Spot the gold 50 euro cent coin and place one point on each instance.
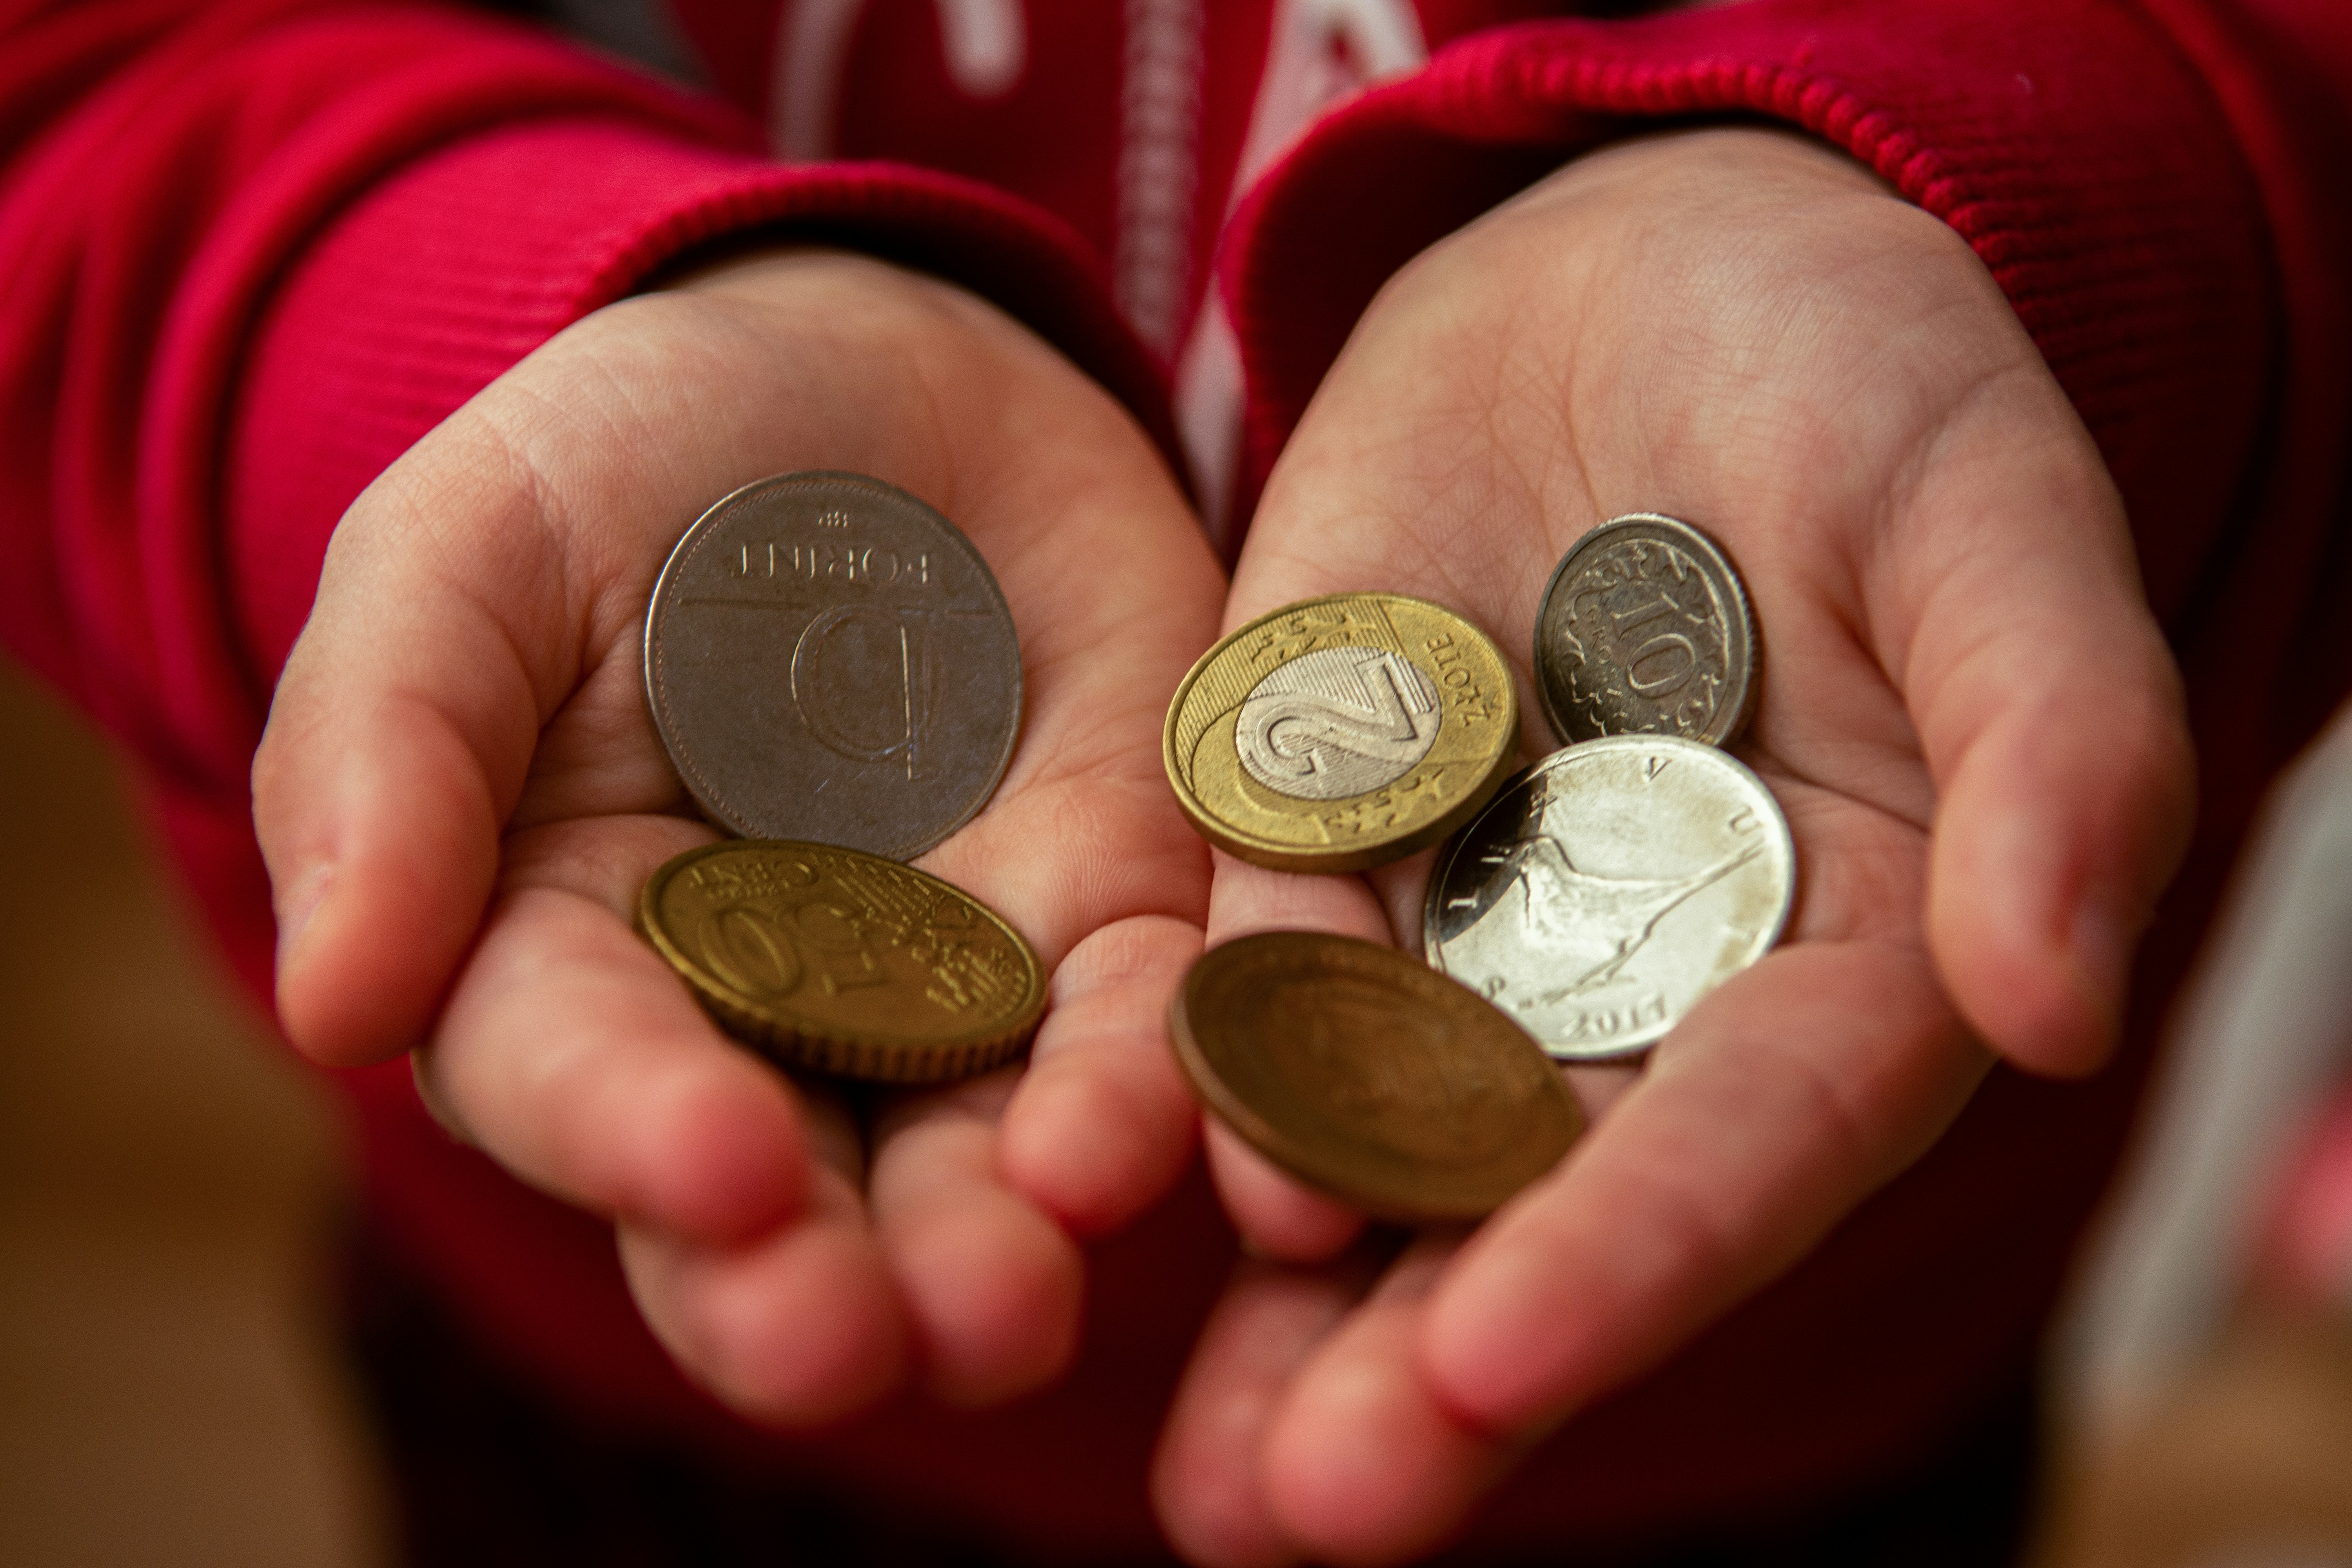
(1342, 733)
(1370, 1076)
(844, 962)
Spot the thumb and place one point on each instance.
(2053, 719)
(397, 744)
(467, 588)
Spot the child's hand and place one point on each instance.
(462, 729)
(1968, 713)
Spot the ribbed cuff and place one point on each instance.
(2069, 141)
(466, 260)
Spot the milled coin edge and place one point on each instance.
(829, 1051)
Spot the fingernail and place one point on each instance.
(2103, 940)
(298, 905)
(443, 1117)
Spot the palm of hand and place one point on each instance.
(463, 724)
(1966, 714)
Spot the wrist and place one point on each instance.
(1714, 169)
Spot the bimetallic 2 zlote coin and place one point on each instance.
(1645, 629)
(829, 658)
(1342, 733)
(1366, 1074)
(1610, 887)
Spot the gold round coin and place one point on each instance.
(1370, 1076)
(844, 962)
(1342, 733)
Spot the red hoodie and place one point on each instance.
(251, 250)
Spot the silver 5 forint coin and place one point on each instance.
(829, 659)
(1645, 629)
(1608, 887)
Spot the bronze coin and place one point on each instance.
(1369, 1075)
(844, 962)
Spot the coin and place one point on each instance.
(1609, 887)
(1341, 732)
(844, 962)
(829, 658)
(1645, 629)
(1363, 1073)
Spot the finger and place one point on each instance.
(797, 1327)
(1278, 1217)
(1243, 898)
(1782, 1101)
(1206, 1481)
(1081, 850)
(1082, 847)
(2052, 717)
(1102, 1122)
(1341, 1502)
(992, 1286)
(396, 743)
(573, 1055)
(1114, 595)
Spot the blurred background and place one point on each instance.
(172, 1390)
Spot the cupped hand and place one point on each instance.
(460, 793)
(1967, 714)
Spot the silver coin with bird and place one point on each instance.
(1608, 887)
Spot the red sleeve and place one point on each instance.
(250, 251)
